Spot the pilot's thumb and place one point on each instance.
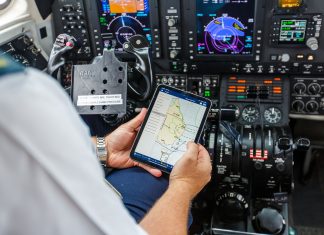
(192, 151)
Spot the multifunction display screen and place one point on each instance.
(121, 19)
(225, 27)
(293, 31)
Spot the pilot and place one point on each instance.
(52, 183)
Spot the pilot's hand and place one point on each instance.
(193, 171)
(119, 144)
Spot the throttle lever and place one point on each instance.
(285, 143)
(62, 44)
(139, 47)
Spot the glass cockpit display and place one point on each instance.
(293, 31)
(225, 27)
(122, 19)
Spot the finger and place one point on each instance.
(202, 149)
(192, 150)
(203, 154)
(137, 121)
(204, 157)
(153, 171)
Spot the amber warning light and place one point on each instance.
(126, 6)
(290, 3)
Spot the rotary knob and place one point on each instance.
(269, 221)
(312, 43)
(298, 106)
(173, 54)
(232, 206)
(312, 106)
(314, 89)
(281, 167)
(285, 57)
(172, 22)
(300, 88)
(164, 80)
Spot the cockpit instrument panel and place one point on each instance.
(120, 20)
(264, 59)
(225, 27)
(23, 50)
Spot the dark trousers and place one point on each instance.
(140, 190)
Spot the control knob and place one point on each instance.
(170, 80)
(312, 106)
(173, 54)
(232, 206)
(312, 43)
(285, 57)
(314, 89)
(298, 106)
(269, 221)
(164, 80)
(300, 88)
(172, 22)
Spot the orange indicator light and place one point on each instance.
(126, 6)
(289, 3)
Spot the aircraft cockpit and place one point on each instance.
(259, 62)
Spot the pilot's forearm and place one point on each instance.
(94, 139)
(170, 214)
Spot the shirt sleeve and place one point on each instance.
(55, 181)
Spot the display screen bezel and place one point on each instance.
(147, 159)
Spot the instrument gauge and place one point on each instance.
(21, 59)
(272, 115)
(250, 114)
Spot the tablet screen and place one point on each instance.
(175, 118)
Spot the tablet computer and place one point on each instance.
(174, 118)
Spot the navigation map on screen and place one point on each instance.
(225, 27)
(174, 120)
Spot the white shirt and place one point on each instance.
(50, 179)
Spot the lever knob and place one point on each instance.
(303, 144)
(284, 143)
(269, 221)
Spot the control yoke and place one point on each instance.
(139, 47)
(62, 44)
